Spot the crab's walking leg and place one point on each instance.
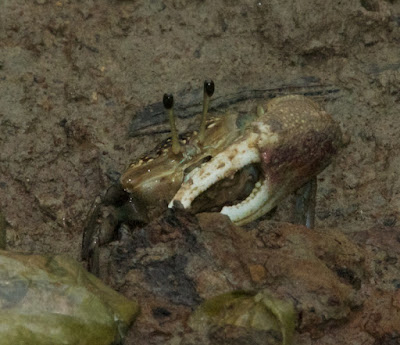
(305, 204)
(90, 242)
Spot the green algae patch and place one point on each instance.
(53, 300)
(254, 312)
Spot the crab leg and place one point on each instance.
(222, 165)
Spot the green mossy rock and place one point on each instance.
(53, 300)
(261, 312)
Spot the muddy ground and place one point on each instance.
(76, 75)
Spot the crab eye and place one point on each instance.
(209, 87)
(168, 101)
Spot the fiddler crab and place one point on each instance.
(241, 166)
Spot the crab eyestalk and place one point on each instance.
(208, 91)
(168, 101)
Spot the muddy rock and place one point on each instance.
(179, 262)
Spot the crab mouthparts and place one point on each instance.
(223, 165)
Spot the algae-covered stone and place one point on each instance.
(260, 316)
(53, 300)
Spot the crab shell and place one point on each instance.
(291, 141)
(154, 179)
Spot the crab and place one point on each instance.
(241, 166)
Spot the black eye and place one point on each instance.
(209, 87)
(168, 101)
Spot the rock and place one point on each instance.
(181, 262)
(53, 300)
(260, 317)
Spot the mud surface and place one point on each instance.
(81, 81)
(75, 77)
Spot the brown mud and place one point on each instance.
(78, 80)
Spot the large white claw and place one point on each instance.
(248, 208)
(224, 164)
(261, 200)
